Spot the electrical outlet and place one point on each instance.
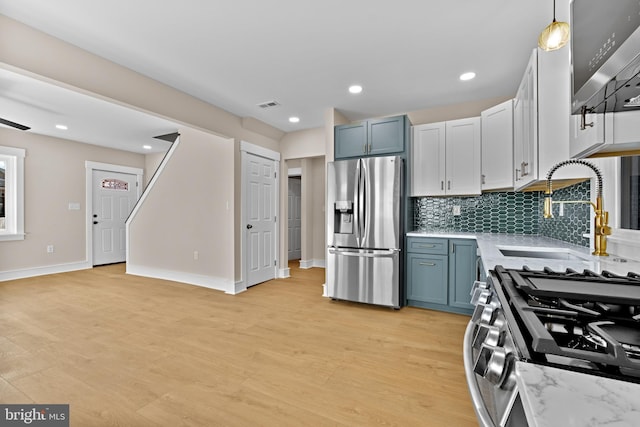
(456, 210)
(49, 249)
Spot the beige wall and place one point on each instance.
(151, 163)
(190, 207)
(304, 143)
(55, 175)
(319, 242)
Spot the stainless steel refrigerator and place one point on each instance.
(364, 230)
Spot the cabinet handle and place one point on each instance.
(364, 148)
(483, 179)
(516, 178)
(426, 246)
(583, 117)
(442, 185)
(428, 264)
(369, 149)
(448, 185)
(453, 248)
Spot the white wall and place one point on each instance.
(188, 208)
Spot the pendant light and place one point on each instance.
(555, 35)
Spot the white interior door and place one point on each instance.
(114, 195)
(261, 219)
(295, 218)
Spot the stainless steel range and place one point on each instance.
(579, 321)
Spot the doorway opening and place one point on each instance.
(295, 218)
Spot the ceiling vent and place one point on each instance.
(268, 104)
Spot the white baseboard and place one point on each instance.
(310, 263)
(210, 282)
(284, 273)
(41, 271)
(239, 286)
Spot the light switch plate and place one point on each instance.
(74, 206)
(456, 210)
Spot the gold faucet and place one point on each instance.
(601, 228)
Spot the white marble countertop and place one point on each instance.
(556, 397)
(489, 249)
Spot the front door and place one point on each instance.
(295, 218)
(114, 196)
(261, 219)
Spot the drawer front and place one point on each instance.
(428, 245)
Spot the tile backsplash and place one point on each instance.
(576, 219)
(507, 212)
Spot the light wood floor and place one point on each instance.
(130, 351)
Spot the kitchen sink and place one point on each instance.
(543, 253)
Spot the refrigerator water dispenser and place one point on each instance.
(343, 217)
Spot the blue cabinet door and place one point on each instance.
(386, 136)
(350, 140)
(427, 278)
(462, 272)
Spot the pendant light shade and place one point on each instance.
(555, 35)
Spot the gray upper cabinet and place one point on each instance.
(351, 140)
(373, 137)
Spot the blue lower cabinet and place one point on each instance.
(427, 279)
(441, 278)
(462, 272)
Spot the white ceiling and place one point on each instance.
(407, 54)
(41, 106)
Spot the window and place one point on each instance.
(11, 193)
(630, 192)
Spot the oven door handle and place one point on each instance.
(476, 398)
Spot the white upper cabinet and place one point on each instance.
(446, 158)
(613, 133)
(428, 151)
(525, 122)
(497, 146)
(541, 114)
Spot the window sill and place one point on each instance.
(10, 237)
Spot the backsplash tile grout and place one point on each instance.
(507, 212)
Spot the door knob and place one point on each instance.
(249, 226)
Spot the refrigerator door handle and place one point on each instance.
(357, 205)
(365, 193)
(365, 253)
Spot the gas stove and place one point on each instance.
(582, 321)
(579, 321)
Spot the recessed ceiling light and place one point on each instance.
(355, 89)
(147, 147)
(294, 119)
(61, 127)
(467, 76)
